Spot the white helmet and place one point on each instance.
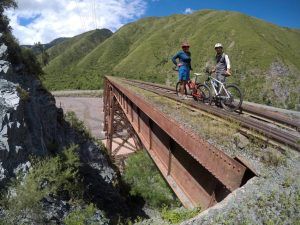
(218, 45)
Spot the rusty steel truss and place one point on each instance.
(199, 173)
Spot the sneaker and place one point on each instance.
(184, 97)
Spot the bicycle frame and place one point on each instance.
(192, 86)
(188, 84)
(214, 81)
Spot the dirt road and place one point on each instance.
(87, 109)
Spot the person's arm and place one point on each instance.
(174, 58)
(228, 65)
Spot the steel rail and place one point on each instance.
(270, 132)
(264, 113)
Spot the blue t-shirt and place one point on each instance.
(184, 59)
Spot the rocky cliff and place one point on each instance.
(32, 127)
(30, 123)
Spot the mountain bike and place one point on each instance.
(229, 95)
(199, 92)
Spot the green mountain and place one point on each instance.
(265, 58)
(65, 56)
(46, 46)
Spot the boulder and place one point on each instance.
(240, 140)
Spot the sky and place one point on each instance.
(45, 20)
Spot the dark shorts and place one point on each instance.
(221, 77)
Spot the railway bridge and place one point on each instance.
(199, 173)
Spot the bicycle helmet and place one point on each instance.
(218, 45)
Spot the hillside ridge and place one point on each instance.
(264, 56)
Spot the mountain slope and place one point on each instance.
(46, 46)
(65, 55)
(264, 56)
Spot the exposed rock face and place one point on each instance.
(27, 126)
(4, 65)
(30, 124)
(283, 82)
(278, 69)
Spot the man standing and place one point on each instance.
(222, 68)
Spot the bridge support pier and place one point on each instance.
(121, 138)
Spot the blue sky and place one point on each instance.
(281, 12)
(45, 20)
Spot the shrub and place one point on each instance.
(15, 54)
(23, 94)
(77, 124)
(273, 157)
(50, 175)
(84, 216)
(31, 64)
(142, 175)
(175, 216)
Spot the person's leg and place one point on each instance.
(220, 78)
(182, 78)
(182, 88)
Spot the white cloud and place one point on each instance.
(189, 11)
(65, 18)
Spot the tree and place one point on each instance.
(24, 60)
(5, 4)
(44, 56)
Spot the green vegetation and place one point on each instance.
(289, 204)
(77, 124)
(83, 216)
(273, 157)
(264, 56)
(43, 55)
(175, 216)
(50, 175)
(36, 48)
(144, 179)
(16, 55)
(66, 55)
(23, 94)
(79, 217)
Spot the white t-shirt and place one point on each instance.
(227, 61)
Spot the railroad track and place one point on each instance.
(271, 125)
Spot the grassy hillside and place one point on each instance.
(46, 46)
(65, 56)
(264, 56)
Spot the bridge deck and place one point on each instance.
(198, 172)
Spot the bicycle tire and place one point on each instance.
(236, 99)
(205, 93)
(178, 88)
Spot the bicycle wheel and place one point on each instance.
(235, 99)
(203, 94)
(178, 88)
